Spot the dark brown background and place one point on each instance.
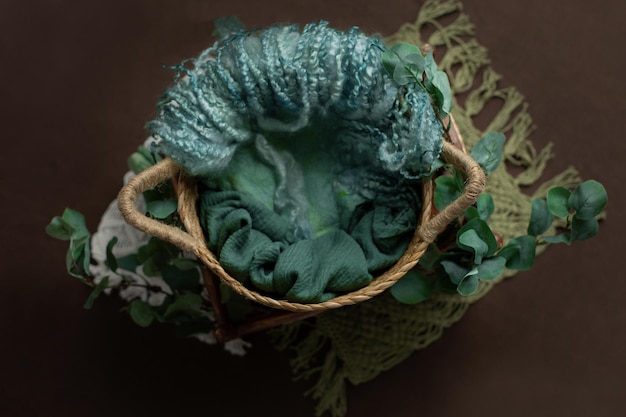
(78, 80)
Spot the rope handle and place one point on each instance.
(474, 186)
(147, 180)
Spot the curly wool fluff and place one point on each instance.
(278, 81)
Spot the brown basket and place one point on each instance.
(192, 240)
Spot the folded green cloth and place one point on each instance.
(258, 246)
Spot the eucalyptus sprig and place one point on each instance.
(475, 252)
(406, 64)
(180, 300)
(71, 226)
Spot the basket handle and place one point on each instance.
(147, 180)
(474, 186)
(167, 169)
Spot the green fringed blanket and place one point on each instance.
(354, 344)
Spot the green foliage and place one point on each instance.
(491, 268)
(476, 236)
(181, 279)
(141, 313)
(430, 257)
(488, 151)
(142, 160)
(157, 258)
(519, 253)
(470, 241)
(469, 283)
(161, 209)
(557, 198)
(580, 208)
(455, 271)
(406, 64)
(111, 261)
(185, 306)
(71, 226)
(474, 255)
(102, 285)
(583, 229)
(588, 200)
(540, 218)
(413, 288)
(447, 190)
(485, 206)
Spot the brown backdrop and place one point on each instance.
(80, 78)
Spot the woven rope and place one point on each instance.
(431, 224)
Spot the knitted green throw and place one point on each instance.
(354, 344)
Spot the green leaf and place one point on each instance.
(60, 229)
(446, 191)
(111, 261)
(160, 209)
(143, 253)
(147, 154)
(70, 265)
(557, 201)
(583, 229)
(102, 285)
(137, 163)
(412, 288)
(442, 93)
(403, 75)
(471, 213)
(181, 280)
(400, 55)
(483, 231)
(128, 262)
(519, 253)
(491, 268)
(469, 240)
(469, 283)
(185, 306)
(185, 264)
(588, 199)
(141, 313)
(430, 66)
(77, 221)
(455, 271)
(540, 217)
(430, 257)
(485, 206)
(488, 151)
(156, 255)
(78, 257)
(438, 164)
(152, 266)
(560, 238)
(444, 284)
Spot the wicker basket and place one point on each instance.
(192, 239)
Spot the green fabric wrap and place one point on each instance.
(258, 246)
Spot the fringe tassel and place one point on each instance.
(330, 389)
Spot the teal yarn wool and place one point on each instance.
(278, 81)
